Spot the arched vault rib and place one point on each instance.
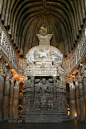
(23, 35)
(21, 31)
(27, 25)
(21, 9)
(66, 36)
(34, 21)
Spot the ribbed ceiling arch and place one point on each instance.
(63, 18)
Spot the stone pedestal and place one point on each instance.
(46, 117)
(44, 94)
(43, 107)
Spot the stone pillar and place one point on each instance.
(72, 101)
(65, 101)
(24, 98)
(84, 84)
(77, 99)
(32, 84)
(11, 100)
(82, 109)
(6, 97)
(16, 100)
(54, 83)
(65, 96)
(54, 94)
(1, 91)
(32, 94)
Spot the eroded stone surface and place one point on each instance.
(44, 91)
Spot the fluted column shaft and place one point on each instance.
(16, 100)
(11, 100)
(54, 94)
(77, 99)
(32, 94)
(1, 94)
(6, 97)
(84, 84)
(72, 101)
(82, 109)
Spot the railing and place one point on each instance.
(71, 62)
(10, 54)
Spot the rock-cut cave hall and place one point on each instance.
(42, 61)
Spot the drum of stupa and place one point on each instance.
(44, 59)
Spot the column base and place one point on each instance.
(77, 118)
(14, 121)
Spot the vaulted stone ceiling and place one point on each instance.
(23, 18)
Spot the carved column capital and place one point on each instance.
(73, 77)
(83, 70)
(8, 74)
(69, 80)
(20, 80)
(77, 70)
(54, 79)
(25, 78)
(6, 64)
(72, 86)
(80, 78)
(85, 73)
(0, 56)
(7, 77)
(1, 72)
(32, 78)
(11, 80)
(76, 82)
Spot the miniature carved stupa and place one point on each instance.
(44, 84)
(43, 59)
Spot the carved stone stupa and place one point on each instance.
(44, 84)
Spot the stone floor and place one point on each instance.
(65, 125)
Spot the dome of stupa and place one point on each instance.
(44, 52)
